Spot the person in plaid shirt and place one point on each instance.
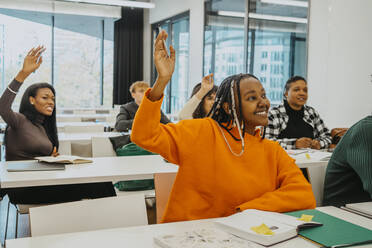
(294, 124)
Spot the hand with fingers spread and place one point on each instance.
(164, 64)
(303, 143)
(31, 63)
(206, 85)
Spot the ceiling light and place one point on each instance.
(231, 13)
(277, 18)
(123, 3)
(287, 2)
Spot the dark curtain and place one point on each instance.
(128, 53)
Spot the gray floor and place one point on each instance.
(23, 222)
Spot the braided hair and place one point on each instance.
(225, 95)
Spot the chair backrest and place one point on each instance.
(102, 147)
(84, 129)
(68, 119)
(103, 213)
(163, 187)
(84, 111)
(316, 178)
(64, 147)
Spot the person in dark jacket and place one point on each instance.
(349, 172)
(32, 132)
(124, 119)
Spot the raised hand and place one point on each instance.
(206, 85)
(164, 65)
(31, 63)
(163, 62)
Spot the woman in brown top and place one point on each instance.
(33, 132)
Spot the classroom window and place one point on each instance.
(176, 93)
(78, 60)
(273, 38)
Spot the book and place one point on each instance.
(64, 159)
(334, 230)
(262, 227)
(203, 238)
(362, 208)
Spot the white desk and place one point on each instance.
(82, 117)
(142, 236)
(61, 125)
(85, 137)
(313, 158)
(106, 169)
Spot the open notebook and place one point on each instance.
(64, 159)
(252, 226)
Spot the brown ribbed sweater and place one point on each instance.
(25, 140)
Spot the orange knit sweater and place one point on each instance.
(211, 181)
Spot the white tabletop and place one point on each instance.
(84, 115)
(142, 236)
(104, 169)
(85, 123)
(85, 136)
(308, 158)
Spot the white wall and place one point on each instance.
(340, 60)
(168, 8)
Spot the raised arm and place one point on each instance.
(293, 191)
(189, 108)
(147, 131)
(31, 63)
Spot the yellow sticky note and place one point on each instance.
(306, 218)
(262, 229)
(307, 155)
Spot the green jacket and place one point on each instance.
(349, 172)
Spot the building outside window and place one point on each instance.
(176, 93)
(78, 59)
(270, 37)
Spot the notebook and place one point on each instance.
(334, 230)
(203, 238)
(33, 166)
(64, 159)
(262, 227)
(363, 208)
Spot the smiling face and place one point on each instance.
(43, 101)
(255, 105)
(297, 94)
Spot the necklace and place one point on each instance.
(228, 145)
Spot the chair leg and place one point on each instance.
(6, 223)
(16, 230)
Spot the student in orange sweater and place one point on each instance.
(224, 164)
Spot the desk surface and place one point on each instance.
(104, 169)
(142, 236)
(85, 136)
